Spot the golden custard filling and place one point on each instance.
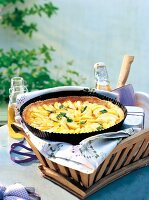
(72, 114)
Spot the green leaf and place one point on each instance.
(61, 106)
(60, 115)
(17, 18)
(73, 72)
(83, 122)
(69, 120)
(83, 109)
(100, 127)
(50, 111)
(103, 111)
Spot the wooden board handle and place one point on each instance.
(125, 69)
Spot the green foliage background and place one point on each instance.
(34, 65)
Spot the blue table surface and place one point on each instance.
(134, 186)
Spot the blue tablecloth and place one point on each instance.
(134, 186)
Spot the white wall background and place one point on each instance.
(88, 31)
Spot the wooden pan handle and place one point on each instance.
(125, 69)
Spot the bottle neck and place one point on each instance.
(13, 97)
(15, 91)
(101, 74)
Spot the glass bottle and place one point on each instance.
(101, 77)
(17, 87)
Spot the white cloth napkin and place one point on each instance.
(86, 156)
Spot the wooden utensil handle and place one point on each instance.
(125, 69)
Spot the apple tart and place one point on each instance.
(72, 114)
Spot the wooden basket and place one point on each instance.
(130, 154)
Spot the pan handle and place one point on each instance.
(125, 69)
(18, 128)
